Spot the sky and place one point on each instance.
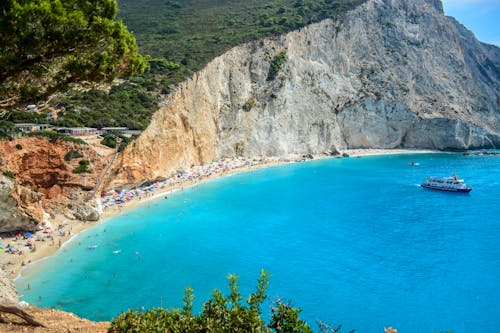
(482, 17)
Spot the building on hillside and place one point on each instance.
(122, 130)
(131, 132)
(29, 127)
(78, 131)
(109, 130)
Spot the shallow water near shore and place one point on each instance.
(350, 241)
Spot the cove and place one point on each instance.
(352, 241)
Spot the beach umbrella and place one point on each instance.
(1, 244)
(47, 229)
(10, 247)
(28, 235)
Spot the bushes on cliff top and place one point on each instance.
(53, 136)
(127, 105)
(221, 313)
(109, 140)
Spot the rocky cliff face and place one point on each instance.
(390, 73)
(20, 208)
(8, 294)
(44, 177)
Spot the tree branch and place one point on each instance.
(16, 310)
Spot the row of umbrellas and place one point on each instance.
(29, 237)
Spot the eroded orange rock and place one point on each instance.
(40, 166)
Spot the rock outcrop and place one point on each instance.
(20, 208)
(8, 293)
(45, 171)
(47, 166)
(389, 74)
(85, 211)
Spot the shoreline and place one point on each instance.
(13, 264)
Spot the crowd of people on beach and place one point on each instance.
(19, 243)
(117, 197)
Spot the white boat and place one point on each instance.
(450, 184)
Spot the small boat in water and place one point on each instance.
(450, 184)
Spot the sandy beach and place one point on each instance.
(63, 229)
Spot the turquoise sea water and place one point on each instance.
(351, 241)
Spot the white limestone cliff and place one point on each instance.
(389, 74)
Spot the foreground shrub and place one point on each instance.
(220, 313)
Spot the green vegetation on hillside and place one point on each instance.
(276, 64)
(126, 105)
(47, 44)
(179, 37)
(219, 314)
(71, 155)
(8, 174)
(184, 35)
(53, 136)
(192, 32)
(6, 129)
(82, 167)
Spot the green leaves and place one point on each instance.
(82, 167)
(275, 66)
(47, 44)
(53, 136)
(220, 314)
(126, 105)
(285, 319)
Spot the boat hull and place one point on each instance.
(458, 190)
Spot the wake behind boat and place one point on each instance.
(449, 184)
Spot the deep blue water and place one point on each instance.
(354, 241)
